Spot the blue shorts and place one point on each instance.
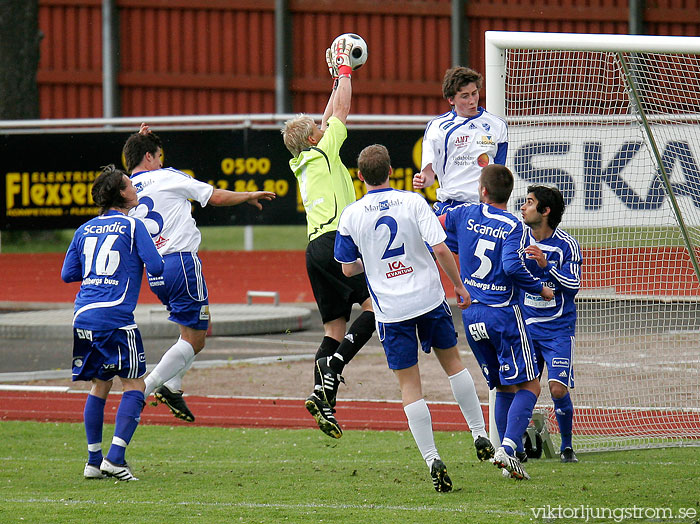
(106, 354)
(558, 354)
(183, 290)
(501, 344)
(400, 339)
(440, 208)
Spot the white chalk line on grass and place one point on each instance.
(254, 505)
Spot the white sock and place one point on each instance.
(421, 425)
(175, 383)
(465, 394)
(174, 360)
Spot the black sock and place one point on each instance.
(326, 349)
(359, 333)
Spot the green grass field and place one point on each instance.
(216, 475)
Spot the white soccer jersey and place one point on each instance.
(165, 208)
(388, 229)
(459, 147)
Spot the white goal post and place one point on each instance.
(614, 122)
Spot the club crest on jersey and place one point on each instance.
(462, 141)
(397, 268)
(486, 126)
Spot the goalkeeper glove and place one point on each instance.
(332, 68)
(341, 53)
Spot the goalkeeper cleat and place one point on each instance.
(175, 402)
(119, 471)
(441, 481)
(323, 414)
(93, 472)
(484, 448)
(330, 380)
(568, 455)
(504, 461)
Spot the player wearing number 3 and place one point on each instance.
(108, 254)
(490, 243)
(385, 234)
(164, 205)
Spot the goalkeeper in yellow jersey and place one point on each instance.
(326, 188)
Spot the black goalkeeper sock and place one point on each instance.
(326, 349)
(357, 336)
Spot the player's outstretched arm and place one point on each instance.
(223, 197)
(343, 93)
(449, 266)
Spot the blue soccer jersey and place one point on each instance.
(557, 317)
(107, 254)
(490, 242)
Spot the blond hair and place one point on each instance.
(296, 133)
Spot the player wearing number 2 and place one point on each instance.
(385, 234)
(490, 239)
(326, 188)
(164, 205)
(457, 144)
(554, 256)
(108, 254)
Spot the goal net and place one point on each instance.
(614, 122)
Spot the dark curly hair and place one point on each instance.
(107, 188)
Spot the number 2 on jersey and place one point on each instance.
(390, 222)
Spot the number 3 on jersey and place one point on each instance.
(152, 219)
(485, 264)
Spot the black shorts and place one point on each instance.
(334, 292)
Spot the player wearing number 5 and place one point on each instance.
(554, 256)
(385, 234)
(490, 239)
(164, 205)
(108, 254)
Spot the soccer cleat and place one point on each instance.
(484, 448)
(330, 380)
(568, 455)
(522, 456)
(502, 460)
(118, 471)
(323, 413)
(93, 472)
(441, 481)
(175, 402)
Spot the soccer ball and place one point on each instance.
(358, 55)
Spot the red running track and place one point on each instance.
(227, 412)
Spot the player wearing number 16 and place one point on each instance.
(108, 254)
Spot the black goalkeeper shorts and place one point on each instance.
(334, 292)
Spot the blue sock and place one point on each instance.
(519, 416)
(564, 411)
(93, 418)
(128, 417)
(501, 407)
